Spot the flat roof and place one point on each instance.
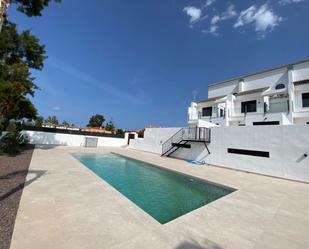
(260, 72)
(252, 91)
(301, 82)
(212, 99)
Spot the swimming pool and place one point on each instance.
(163, 194)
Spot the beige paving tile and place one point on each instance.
(69, 207)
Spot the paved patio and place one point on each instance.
(66, 206)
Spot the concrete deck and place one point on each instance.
(66, 206)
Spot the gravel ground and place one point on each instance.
(13, 172)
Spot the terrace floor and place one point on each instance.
(66, 206)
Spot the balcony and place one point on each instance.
(240, 113)
(213, 112)
(266, 108)
(276, 107)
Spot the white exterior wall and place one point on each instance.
(259, 103)
(281, 117)
(300, 113)
(286, 75)
(301, 72)
(192, 111)
(258, 116)
(301, 121)
(268, 79)
(286, 144)
(222, 89)
(298, 103)
(214, 121)
(48, 138)
(153, 139)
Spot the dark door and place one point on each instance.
(131, 136)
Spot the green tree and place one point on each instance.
(28, 7)
(141, 133)
(96, 121)
(120, 132)
(39, 121)
(65, 123)
(32, 7)
(19, 53)
(52, 120)
(110, 126)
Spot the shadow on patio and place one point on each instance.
(20, 186)
(195, 245)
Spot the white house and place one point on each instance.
(277, 96)
(274, 96)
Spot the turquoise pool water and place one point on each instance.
(163, 194)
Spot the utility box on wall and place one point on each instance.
(91, 142)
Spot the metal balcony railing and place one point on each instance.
(276, 107)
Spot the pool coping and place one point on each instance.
(101, 179)
(163, 168)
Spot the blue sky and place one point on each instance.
(139, 62)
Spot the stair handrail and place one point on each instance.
(195, 133)
(170, 140)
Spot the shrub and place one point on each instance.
(12, 141)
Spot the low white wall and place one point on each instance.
(153, 139)
(286, 145)
(48, 138)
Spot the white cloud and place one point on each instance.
(263, 18)
(228, 14)
(215, 19)
(285, 2)
(56, 108)
(213, 30)
(213, 26)
(194, 13)
(246, 16)
(209, 2)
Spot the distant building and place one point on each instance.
(152, 126)
(97, 130)
(48, 125)
(61, 127)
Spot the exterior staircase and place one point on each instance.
(183, 137)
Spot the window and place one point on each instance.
(248, 152)
(305, 98)
(267, 123)
(221, 113)
(207, 112)
(248, 106)
(280, 86)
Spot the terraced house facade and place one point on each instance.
(276, 96)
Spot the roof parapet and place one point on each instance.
(288, 66)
